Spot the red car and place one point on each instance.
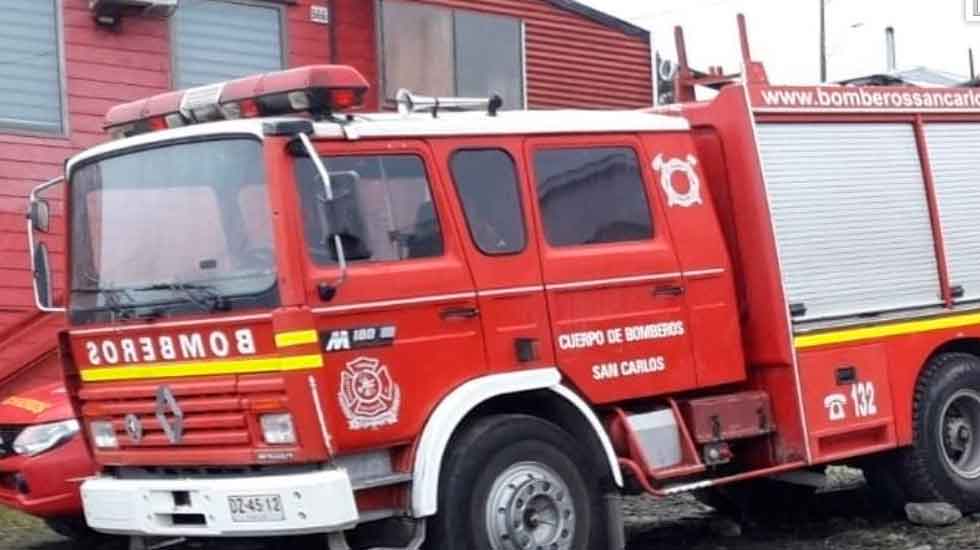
(42, 457)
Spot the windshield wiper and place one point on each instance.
(113, 302)
(212, 300)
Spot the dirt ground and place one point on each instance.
(661, 524)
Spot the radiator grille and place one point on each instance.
(216, 411)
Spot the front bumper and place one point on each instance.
(313, 502)
(46, 485)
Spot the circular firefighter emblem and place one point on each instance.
(368, 396)
(679, 194)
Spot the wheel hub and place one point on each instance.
(530, 508)
(959, 423)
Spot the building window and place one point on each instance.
(215, 40)
(590, 196)
(382, 211)
(30, 67)
(487, 184)
(447, 52)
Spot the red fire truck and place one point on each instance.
(477, 329)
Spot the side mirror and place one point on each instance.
(39, 220)
(40, 215)
(43, 294)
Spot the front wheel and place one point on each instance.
(515, 482)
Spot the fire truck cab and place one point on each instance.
(490, 324)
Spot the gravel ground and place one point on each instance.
(666, 524)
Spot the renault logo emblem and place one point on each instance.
(134, 428)
(169, 415)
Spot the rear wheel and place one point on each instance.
(943, 463)
(515, 482)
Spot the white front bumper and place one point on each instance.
(314, 502)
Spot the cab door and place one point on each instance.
(493, 209)
(402, 327)
(614, 287)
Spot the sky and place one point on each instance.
(784, 34)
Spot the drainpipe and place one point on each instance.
(890, 64)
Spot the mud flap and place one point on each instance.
(615, 528)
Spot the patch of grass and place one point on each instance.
(12, 519)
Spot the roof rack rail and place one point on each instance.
(409, 103)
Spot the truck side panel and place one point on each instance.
(703, 258)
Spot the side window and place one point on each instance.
(382, 209)
(454, 44)
(591, 195)
(220, 40)
(488, 188)
(31, 94)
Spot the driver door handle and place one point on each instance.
(669, 290)
(459, 313)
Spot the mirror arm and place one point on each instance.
(33, 197)
(328, 189)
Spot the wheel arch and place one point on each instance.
(537, 392)
(959, 345)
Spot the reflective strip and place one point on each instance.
(884, 331)
(171, 324)
(510, 291)
(296, 338)
(704, 272)
(392, 303)
(613, 281)
(174, 370)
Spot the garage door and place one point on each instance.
(851, 218)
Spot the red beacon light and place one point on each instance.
(319, 91)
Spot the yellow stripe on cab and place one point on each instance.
(296, 338)
(205, 368)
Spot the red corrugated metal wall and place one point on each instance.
(572, 61)
(355, 40)
(103, 68)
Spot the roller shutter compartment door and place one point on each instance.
(956, 174)
(851, 219)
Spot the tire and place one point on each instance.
(516, 482)
(943, 463)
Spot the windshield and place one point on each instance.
(175, 229)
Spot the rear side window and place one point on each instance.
(382, 209)
(591, 195)
(487, 184)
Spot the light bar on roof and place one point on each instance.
(316, 90)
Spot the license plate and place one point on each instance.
(253, 508)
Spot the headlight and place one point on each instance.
(277, 429)
(44, 437)
(103, 435)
